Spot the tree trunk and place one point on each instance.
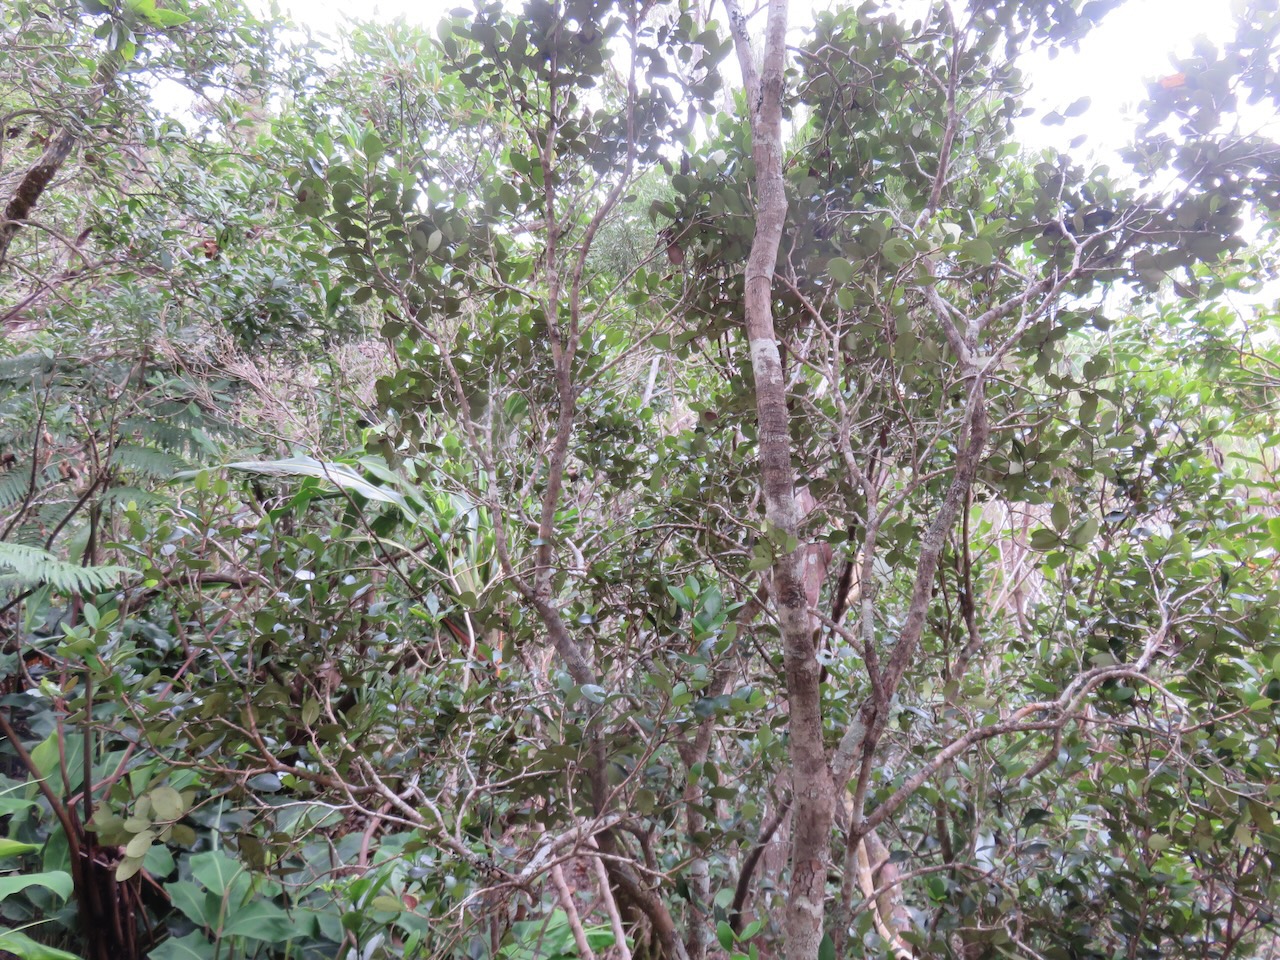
(813, 789)
(41, 173)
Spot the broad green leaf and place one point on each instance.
(259, 920)
(140, 844)
(1083, 535)
(12, 805)
(1061, 516)
(897, 251)
(386, 903)
(167, 803)
(15, 848)
(167, 18)
(979, 251)
(339, 474)
(724, 934)
(193, 946)
(24, 948)
(216, 871)
(195, 903)
(128, 867)
(58, 881)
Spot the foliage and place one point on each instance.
(524, 631)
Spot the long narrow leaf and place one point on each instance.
(339, 474)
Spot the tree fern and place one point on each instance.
(147, 461)
(14, 486)
(15, 483)
(25, 566)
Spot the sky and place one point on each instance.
(1115, 61)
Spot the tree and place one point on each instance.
(124, 273)
(881, 505)
(954, 72)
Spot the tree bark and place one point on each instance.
(41, 173)
(813, 789)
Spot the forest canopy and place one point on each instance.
(633, 479)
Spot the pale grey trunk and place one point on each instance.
(813, 790)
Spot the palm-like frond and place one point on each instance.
(27, 566)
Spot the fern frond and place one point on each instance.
(29, 533)
(174, 429)
(16, 482)
(25, 566)
(14, 485)
(161, 433)
(24, 366)
(149, 462)
(120, 497)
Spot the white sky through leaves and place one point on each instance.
(1112, 66)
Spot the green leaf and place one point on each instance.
(827, 948)
(12, 805)
(259, 920)
(215, 870)
(127, 867)
(1061, 516)
(56, 880)
(1083, 535)
(898, 251)
(339, 474)
(724, 934)
(23, 947)
(159, 861)
(841, 270)
(266, 782)
(167, 803)
(139, 845)
(197, 905)
(191, 947)
(14, 848)
(167, 18)
(1044, 539)
(979, 251)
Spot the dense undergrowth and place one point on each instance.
(384, 569)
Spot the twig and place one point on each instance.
(610, 904)
(571, 911)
